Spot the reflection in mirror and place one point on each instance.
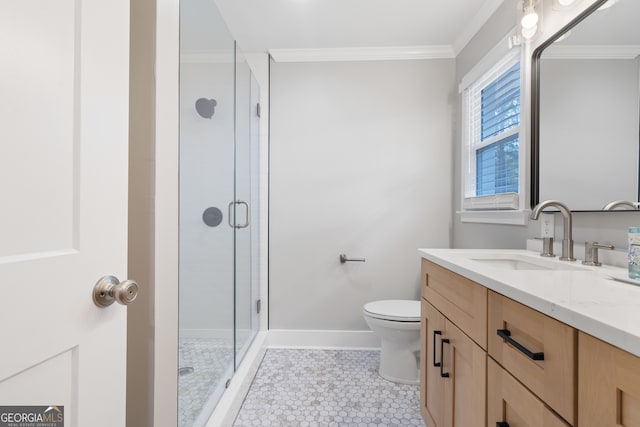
(585, 139)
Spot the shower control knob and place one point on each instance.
(109, 289)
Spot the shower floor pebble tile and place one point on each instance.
(305, 388)
(211, 360)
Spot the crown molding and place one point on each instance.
(591, 52)
(362, 54)
(481, 18)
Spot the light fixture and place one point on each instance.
(529, 19)
(528, 33)
(564, 4)
(529, 15)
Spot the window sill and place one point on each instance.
(516, 217)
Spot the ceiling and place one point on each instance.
(260, 25)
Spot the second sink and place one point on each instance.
(515, 262)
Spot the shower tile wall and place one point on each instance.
(206, 180)
(299, 388)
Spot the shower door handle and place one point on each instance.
(246, 223)
(246, 207)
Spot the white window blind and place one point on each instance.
(492, 127)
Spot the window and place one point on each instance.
(491, 124)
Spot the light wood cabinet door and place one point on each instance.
(527, 334)
(510, 403)
(465, 363)
(609, 385)
(431, 384)
(454, 371)
(463, 301)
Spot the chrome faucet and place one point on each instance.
(591, 252)
(567, 240)
(612, 205)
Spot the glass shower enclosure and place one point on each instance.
(218, 210)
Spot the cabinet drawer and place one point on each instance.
(553, 379)
(510, 402)
(461, 300)
(609, 385)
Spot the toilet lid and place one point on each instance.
(398, 310)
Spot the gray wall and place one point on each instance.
(604, 227)
(365, 160)
(360, 164)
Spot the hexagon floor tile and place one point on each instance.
(305, 388)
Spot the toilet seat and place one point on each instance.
(394, 310)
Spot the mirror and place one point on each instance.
(585, 111)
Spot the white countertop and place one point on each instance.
(585, 298)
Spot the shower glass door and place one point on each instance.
(246, 183)
(218, 211)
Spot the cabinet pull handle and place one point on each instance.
(436, 364)
(505, 334)
(502, 424)
(443, 341)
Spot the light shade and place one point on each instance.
(528, 33)
(565, 2)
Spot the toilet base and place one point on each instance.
(399, 364)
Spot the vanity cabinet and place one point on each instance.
(461, 300)
(528, 380)
(508, 401)
(453, 371)
(609, 385)
(511, 365)
(539, 351)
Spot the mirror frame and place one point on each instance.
(535, 103)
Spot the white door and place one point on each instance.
(63, 206)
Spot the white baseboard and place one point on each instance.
(322, 339)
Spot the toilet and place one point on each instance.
(397, 323)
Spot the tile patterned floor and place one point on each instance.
(305, 388)
(212, 361)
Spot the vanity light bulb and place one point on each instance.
(528, 33)
(530, 18)
(566, 2)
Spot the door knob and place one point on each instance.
(109, 289)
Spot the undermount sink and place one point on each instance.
(511, 264)
(515, 262)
